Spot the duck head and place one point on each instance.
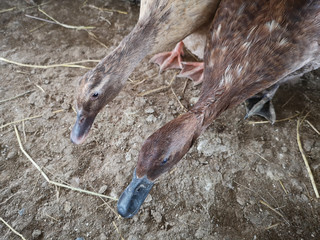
(160, 152)
(96, 89)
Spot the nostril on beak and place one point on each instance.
(81, 120)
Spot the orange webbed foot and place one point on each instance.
(193, 71)
(169, 60)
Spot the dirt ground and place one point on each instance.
(239, 181)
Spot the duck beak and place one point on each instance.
(81, 128)
(132, 198)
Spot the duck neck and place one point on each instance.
(120, 63)
(210, 106)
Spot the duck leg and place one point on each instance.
(169, 60)
(261, 104)
(193, 71)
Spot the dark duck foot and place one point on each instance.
(261, 105)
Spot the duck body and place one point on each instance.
(251, 46)
(161, 24)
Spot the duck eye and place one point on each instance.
(95, 95)
(164, 161)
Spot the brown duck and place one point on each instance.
(252, 46)
(161, 24)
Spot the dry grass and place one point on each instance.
(280, 120)
(66, 25)
(176, 97)
(159, 88)
(117, 229)
(284, 189)
(105, 9)
(274, 210)
(53, 182)
(17, 96)
(11, 228)
(299, 123)
(313, 127)
(28, 118)
(70, 64)
(7, 10)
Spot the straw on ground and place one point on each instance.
(70, 64)
(28, 118)
(11, 228)
(15, 97)
(158, 89)
(280, 120)
(53, 182)
(66, 25)
(274, 210)
(305, 159)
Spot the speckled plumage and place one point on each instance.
(251, 46)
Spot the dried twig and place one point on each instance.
(263, 158)
(20, 95)
(143, 80)
(38, 86)
(106, 9)
(159, 88)
(53, 182)
(66, 25)
(181, 105)
(288, 101)
(105, 203)
(7, 10)
(274, 210)
(272, 226)
(71, 65)
(37, 27)
(313, 127)
(184, 87)
(280, 120)
(114, 224)
(284, 189)
(11, 228)
(95, 38)
(41, 19)
(305, 159)
(28, 118)
(106, 20)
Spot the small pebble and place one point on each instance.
(157, 216)
(128, 157)
(11, 155)
(103, 236)
(149, 110)
(67, 207)
(103, 189)
(151, 118)
(36, 234)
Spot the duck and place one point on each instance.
(252, 47)
(161, 24)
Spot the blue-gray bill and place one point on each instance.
(133, 196)
(81, 128)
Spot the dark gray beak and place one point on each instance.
(132, 198)
(81, 128)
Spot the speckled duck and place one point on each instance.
(252, 46)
